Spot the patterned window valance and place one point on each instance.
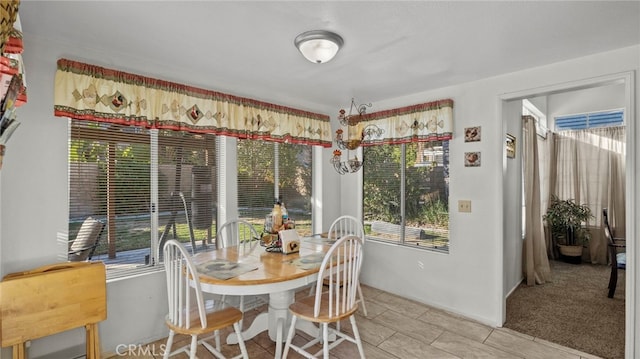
(431, 121)
(88, 92)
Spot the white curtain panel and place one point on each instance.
(589, 168)
(535, 260)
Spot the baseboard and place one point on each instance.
(515, 287)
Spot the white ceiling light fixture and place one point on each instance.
(318, 46)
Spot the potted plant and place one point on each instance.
(566, 220)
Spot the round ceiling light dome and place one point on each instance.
(318, 46)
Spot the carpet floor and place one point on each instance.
(572, 309)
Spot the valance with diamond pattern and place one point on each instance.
(94, 93)
(431, 121)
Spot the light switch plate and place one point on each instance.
(464, 205)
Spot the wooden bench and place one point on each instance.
(53, 299)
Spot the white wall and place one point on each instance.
(512, 200)
(468, 280)
(34, 203)
(602, 98)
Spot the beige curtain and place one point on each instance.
(588, 166)
(535, 261)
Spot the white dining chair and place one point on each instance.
(189, 313)
(237, 232)
(333, 301)
(342, 226)
(240, 233)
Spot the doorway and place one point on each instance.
(512, 182)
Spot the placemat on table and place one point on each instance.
(309, 261)
(223, 269)
(319, 240)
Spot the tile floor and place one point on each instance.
(397, 328)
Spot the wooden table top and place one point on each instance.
(270, 267)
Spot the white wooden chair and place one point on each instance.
(333, 301)
(238, 232)
(347, 225)
(188, 312)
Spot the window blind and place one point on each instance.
(590, 120)
(268, 171)
(187, 187)
(110, 177)
(406, 193)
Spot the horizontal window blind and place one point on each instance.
(109, 178)
(294, 175)
(256, 175)
(406, 194)
(268, 171)
(186, 187)
(590, 120)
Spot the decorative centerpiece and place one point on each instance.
(274, 222)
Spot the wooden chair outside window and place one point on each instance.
(86, 241)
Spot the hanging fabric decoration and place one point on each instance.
(94, 93)
(431, 121)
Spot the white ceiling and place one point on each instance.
(392, 48)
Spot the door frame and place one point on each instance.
(628, 79)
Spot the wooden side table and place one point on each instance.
(52, 299)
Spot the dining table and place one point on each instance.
(256, 270)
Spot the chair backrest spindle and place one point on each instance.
(346, 225)
(237, 232)
(341, 268)
(183, 286)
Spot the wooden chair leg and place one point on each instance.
(19, 351)
(613, 281)
(93, 341)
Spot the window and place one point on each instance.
(406, 194)
(187, 165)
(117, 173)
(529, 109)
(269, 170)
(590, 120)
(112, 176)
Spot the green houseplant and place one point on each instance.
(566, 220)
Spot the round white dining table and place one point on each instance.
(255, 271)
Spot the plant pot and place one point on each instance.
(571, 254)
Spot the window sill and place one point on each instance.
(118, 274)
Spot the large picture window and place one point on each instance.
(406, 194)
(112, 177)
(268, 171)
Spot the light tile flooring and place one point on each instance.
(397, 328)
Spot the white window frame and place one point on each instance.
(402, 231)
